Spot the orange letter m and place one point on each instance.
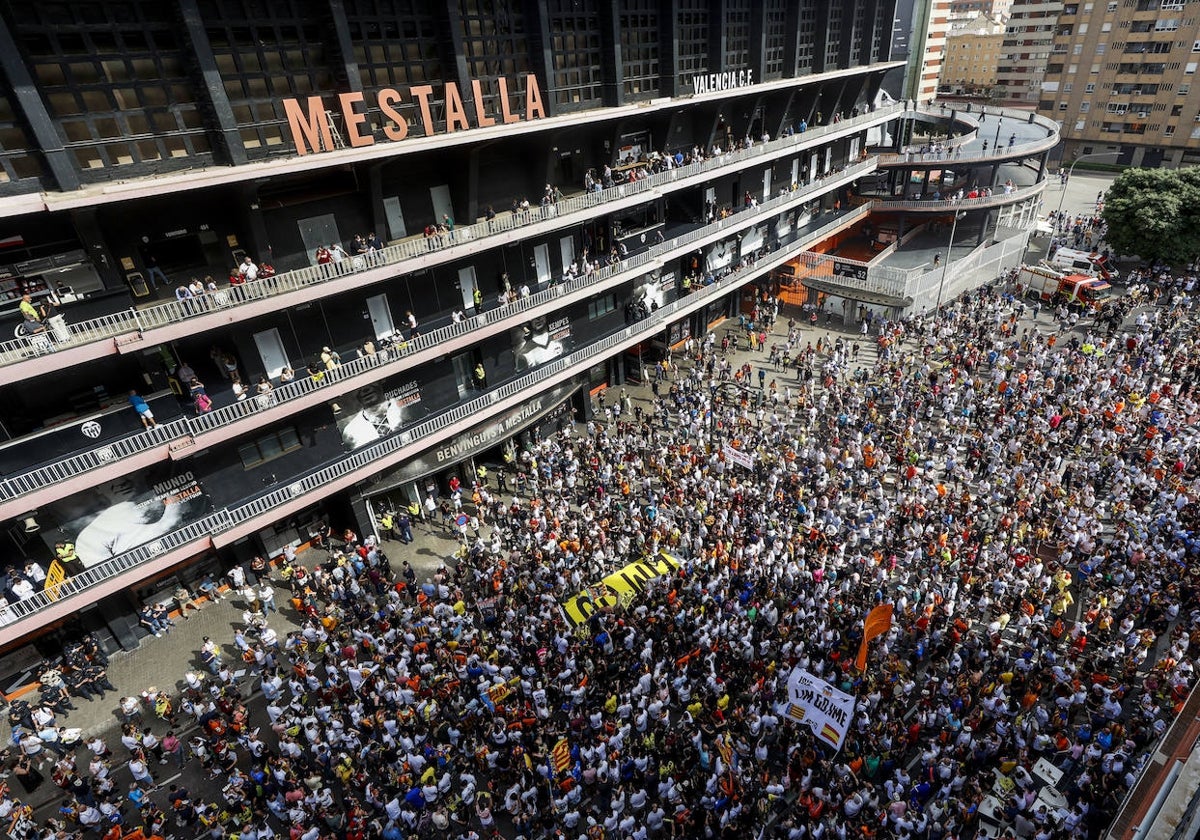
(309, 132)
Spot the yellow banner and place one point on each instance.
(55, 575)
(619, 588)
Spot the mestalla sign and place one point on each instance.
(312, 131)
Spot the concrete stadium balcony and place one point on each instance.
(227, 525)
(134, 330)
(179, 438)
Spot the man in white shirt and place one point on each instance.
(248, 270)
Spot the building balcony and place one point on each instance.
(944, 205)
(227, 525)
(137, 329)
(185, 435)
(1034, 136)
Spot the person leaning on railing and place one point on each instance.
(32, 323)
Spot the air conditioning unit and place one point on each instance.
(1143, 114)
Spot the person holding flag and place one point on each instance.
(878, 622)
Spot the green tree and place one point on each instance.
(1155, 214)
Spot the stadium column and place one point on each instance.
(785, 115)
(378, 209)
(345, 68)
(87, 228)
(611, 72)
(820, 47)
(255, 240)
(222, 124)
(540, 49)
(718, 31)
(29, 100)
(791, 42)
(758, 43)
(452, 50)
(846, 35)
(668, 49)
(868, 34)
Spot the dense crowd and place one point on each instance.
(1024, 498)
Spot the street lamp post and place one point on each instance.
(946, 265)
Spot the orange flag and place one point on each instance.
(878, 622)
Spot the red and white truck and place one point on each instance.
(1054, 286)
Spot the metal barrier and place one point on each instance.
(996, 153)
(227, 518)
(172, 312)
(950, 204)
(109, 453)
(433, 340)
(879, 280)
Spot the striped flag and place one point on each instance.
(560, 756)
(725, 748)
(828, 733)
(797, 713)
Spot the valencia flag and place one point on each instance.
(878, 622)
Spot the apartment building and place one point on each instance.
(1121, 79)
(482, 149)
(930, 25)
(1028, 42)
(966, 9)
(973, 49)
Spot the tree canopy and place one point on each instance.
(1155, 214)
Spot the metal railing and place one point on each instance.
(226, 518)
(954, 151)
(106, 570)
(109, 453)
(944, 204)
(136, 321)
(431, 342)
(879, 280)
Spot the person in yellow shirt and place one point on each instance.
(1062, 603)
(64, 552)
(32, 319)
(28, 309)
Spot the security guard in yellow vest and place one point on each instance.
(65, 553)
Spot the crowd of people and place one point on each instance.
(1028, 508)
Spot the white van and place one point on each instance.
(1071, 260)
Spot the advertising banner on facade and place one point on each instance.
(375, 411)
(620, 588)
(552, 403)
(541, 340)
(827, 711)
(752, 240)
(121, 515)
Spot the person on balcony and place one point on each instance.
(143, 410)
(248, 270)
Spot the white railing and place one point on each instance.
(108, 569)
(954, 152)
(879, 280)
(430, 341)
(109, 453)
(136, 321)
(942, 205)
(227, 518)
